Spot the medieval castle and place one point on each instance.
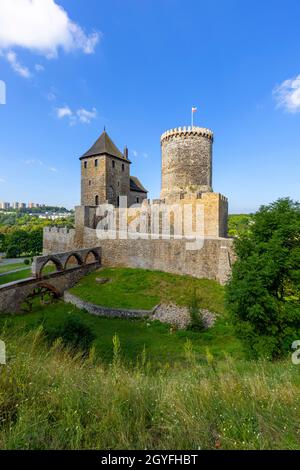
(186, 179)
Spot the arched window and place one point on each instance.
(97, 200)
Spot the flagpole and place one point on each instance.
(192, 118)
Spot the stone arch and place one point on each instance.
(73, 255)
(43, 291)
(55, 261)
(95, 254)
(50, 287)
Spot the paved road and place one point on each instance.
(5, 261)
(14, 271)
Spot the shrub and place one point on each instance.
(263, 293)
(74, 333)
(12, 252)
(26, 261)
(196, 317)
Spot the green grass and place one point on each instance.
(161, 343)
(4, 268)
(143, 289)
(10, 277)
(164, 389)
(51, 399)
(15, 276)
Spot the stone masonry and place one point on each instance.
(186, 162)
(13, 294)
(186, 180)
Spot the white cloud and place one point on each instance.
(287, 95)
(86, 116)
(39, 68)
(81, 115)
(64, 111)
(33, 162)
(51, 96)
(138, 154)
(12, 58)
(42, 26)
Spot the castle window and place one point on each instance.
(85, 164)
(90, 182)
(137, 199)
(97, 201)
(96, 162)
(181, 195)
(118, 183)
(123, 167)
(113, 164)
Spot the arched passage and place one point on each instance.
(41, 294)
(92, 257)
(73, 260)
(50, 265)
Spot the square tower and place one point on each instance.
(105, 173)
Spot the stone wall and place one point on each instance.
(12, 295)
(98, 310)
(104, 177)
(186, 162)
(117, 179)
(136, 197)
(58, 239)
(212, 261)
(93, 180)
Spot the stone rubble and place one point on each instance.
(180, 316)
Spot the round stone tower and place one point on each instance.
(186, 162)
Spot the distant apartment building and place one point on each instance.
(19, 205)
(4, 205)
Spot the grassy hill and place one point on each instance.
(142, 385)
(52, 399)
(143, 289)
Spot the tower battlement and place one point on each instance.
(187, 130)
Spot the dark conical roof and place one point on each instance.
(104, 145)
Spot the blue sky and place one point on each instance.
(137, 67)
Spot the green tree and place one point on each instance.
(264, 291)
(35, 242)
(18, 243)
(2, 242)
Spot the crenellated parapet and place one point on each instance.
(187, 131)
(61, 230)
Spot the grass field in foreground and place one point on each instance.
(143, 289)
(51, 399)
